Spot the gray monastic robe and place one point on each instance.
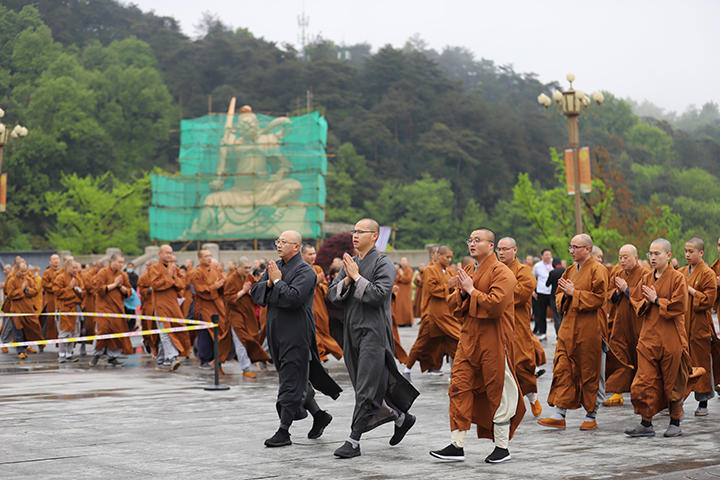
(291, 336)
(368, 347)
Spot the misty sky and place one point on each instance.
(667, 52)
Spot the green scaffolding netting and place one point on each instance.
(243, 176)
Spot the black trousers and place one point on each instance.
(543, 302)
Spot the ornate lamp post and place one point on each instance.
(571, 104)
(5, 134)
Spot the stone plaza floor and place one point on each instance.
(72, 421)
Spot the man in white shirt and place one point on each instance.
(543, 293)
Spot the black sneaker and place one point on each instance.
(498, 455)
(402, 429)
(280, 439)
(71, 359)
(540, 373)
(175, 364)
(115, 362)
(451, 452)
(347, 451)
(205, 366)
(94, 360)
(163, 367)
(320, 421)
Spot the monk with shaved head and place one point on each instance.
(287, 288)
(49, 327)
(702, 291)
(69, 292)
(578, 368)
(626, 324)
(20, 290)
(664, 364)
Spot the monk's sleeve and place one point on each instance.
(676, 305)
(260, 290)
(418, 280)
(128, 287)
(47, 282)
(705, 293)
(294, 294)
(14, 289)
(323, 285)
(100, 283)
(202, 289)
(496, 300)
(32, 287)
(160, 280)
(526, 283)
(637, 299)
(62, 291)
(338, 292)
(594, 297)
(232, 287)
(435, 286)
(407, 275)
(375, 292)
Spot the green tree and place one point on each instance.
(95, 213)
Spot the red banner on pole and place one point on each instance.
(585, 175)
(3, 191)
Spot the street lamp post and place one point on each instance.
(571, 104)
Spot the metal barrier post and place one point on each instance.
(216, 320)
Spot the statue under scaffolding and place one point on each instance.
(252, 176)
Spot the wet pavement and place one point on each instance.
(75, 421)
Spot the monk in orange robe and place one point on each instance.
(325, 342)
(664, 373)
(240, 311)
(400, 353)
(579, 363)
(404, 305)
(20, 290)
(48, 321)
(716, 344)
(88, 303)
(188, 295)
(702, 291)
(208, 282)
(483, 386)
(146, 310)
(69, 292)
(167, 286)
(523, 337)
(627, 325)
(111, 286)
(439, 329)
(418, 281)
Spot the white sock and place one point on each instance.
(458, 437)
(407, 370)
(559, 414)
(353, 442)
(399, 420)
(532, 397)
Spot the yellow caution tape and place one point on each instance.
(110, 315)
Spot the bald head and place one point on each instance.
(662, 243)
(165, 254)
(507, 241)
(444, 249)
(292, 236)
(698, 243)
(467, 260)
(597, 253)
(485, 234)
(627, 257)
(369, 224)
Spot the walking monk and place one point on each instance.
(20, 290)
(326, 343)
(664, 365)
(404, 305)
(49, 327)
(69, 291)
(111, 286)
(439, 328)
(579, 363)
(418, 281)
(483, 386)
(240, 312)
(702, 291)
(626, 326)
(523, 344)
(716, 343)
(167, 286)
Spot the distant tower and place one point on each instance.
(303, 23)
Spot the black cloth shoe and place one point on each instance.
(403, 429)
(451, 452)
(115, 362)
(498, 455)
(640, 431)
(206, 366)
(320, 421)
(94, 360)
(280, 439)
(347, 451)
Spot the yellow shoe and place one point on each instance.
(536, 408)
(552, 423)
(615, 401)
(249, 375)
(30, 350)
(22, 356)
(4, 350)
(589, 425)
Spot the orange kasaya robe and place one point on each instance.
(716, 344)
(699, 324)
(38, 296)
(209, 301)
(611, 306)
(48, 277)
(540, 357)
(522, 338)
(576, 369)
(325, 342)
(146, 309)
(484, 349)
(404, 307)
(664, 374)
(400, 352)
(240, 313)
(21, 302)
(187, 294)
(89, 299)
(67, 298)
(626, 331)
(417, 301)
(166, 289)
(439, 329)
(111, 301)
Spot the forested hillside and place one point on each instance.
(437, 142)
